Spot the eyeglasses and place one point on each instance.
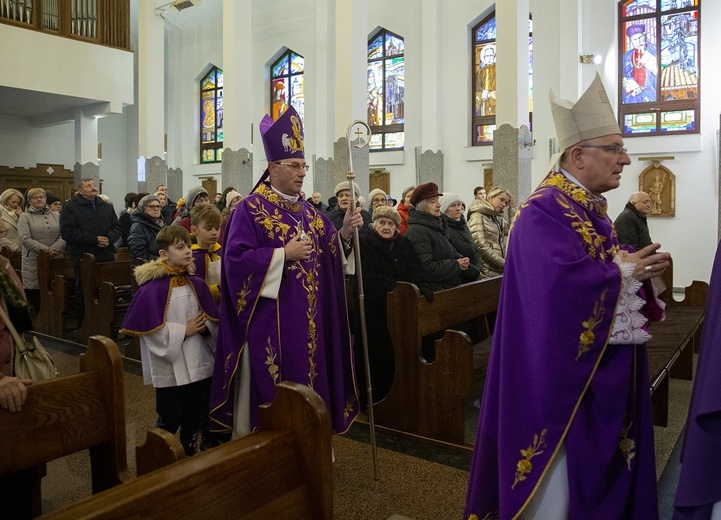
(614, 149)
(295, 166)
(153, 206)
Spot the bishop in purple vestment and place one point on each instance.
(283, 307)
(565, 429)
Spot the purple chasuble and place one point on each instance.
(303, 335)
(698, 487)
(553, 377)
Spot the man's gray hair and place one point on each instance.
(633, 199)
(83, 181)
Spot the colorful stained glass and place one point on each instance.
(279, 97)
(678, 121)
(484, 134)
(376, 142)
(375, 93)
(639, 62)
(394, 140)
(287, 86)
(394, 46)
(637, 7)
(639, 123)
(486, 31)
(375, 48)
(280, 68)
(679, 57)
(668, 5)
(211, 115)
(394, 91)
(297, 63)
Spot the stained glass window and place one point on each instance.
(287, 85)
(659, 67)
(483, 66)
(386, 90)
(211, 116)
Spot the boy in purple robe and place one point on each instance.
(205, 225)
(565, 429)
(283, 306)
(174, 314)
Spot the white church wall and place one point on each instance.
(22, 144)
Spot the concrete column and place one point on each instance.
(571, 86)
(237, 63)
(512, 62)
(351, 61)
(432, 54)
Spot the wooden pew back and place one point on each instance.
(282, 471)
(53, 275)
(69, 414)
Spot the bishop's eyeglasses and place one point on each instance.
(294, 166)
(614, 149)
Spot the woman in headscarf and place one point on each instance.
(11, 207)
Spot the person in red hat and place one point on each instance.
(283, 307)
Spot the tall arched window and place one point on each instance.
(658, 66)
(386, 90)
(287, 84)
(211, 116)
(483, 67)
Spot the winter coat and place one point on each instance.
(463, 243)
(11, 240)
(81, 225)
(125, 223)
(632, 228)
(142, 240)
(337, 215)
(402, 210)
(39, 230)
(490, 234)
(431, 240)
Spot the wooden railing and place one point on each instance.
(106, 22)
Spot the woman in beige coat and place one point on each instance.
(11, 207)
(490, 230)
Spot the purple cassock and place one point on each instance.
(303, 334)
(554, 379)
(699, 488)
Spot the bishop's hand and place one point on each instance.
(297, 249)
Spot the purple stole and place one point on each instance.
(553, 377)
(303, 335)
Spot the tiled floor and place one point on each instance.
(416, 481)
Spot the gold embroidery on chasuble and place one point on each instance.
(588, 337)
(627, 445)
(241, 302)
(525, 466)
(273, 369)
(495, 515)
(349, 408)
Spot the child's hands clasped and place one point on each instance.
(195, 324)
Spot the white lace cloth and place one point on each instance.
(628, 323)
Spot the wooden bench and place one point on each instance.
(63, 416)
(282, 471)
(670, 351)
(15, 260)
(53, 276)
(426, 398)
(106, 294)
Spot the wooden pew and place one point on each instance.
(15, 260)
(282, 471)
(53, 276)
(103, 284)
(63, 416)
(427, 397)
(670, 351)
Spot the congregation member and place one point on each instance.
(147, 223)
(631, 224)
(232, 198)
(169, 209)
(316, 201)
(176, 319)
(205, 226)
(342, 193)
(39, 230)
(377, 197)
(429, 234)
(479, 193)
(223, 202)
(88, 225)
(452, 209)
(283, 309)
(565, 429)
(403, 206)
(387, 257)
(197, 196)
(490, 230)
(698, 496)
(53, 202)
(126, 222)
(11, 207)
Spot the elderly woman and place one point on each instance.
(39, 230)
(146, 224)
(387, 257)
(490, 229)
(403, 206)
(377, 197)
(452, 209)
(11, 207)
(232, 198)
(429, 234)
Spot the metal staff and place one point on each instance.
(362, 134)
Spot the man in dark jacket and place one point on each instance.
(88, 225)
(168, 211)
(631, 224)
(342, 192)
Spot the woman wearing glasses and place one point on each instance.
(147, 222)
(38, 230)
